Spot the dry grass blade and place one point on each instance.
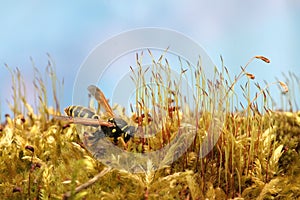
(101, 99)
(88, 183)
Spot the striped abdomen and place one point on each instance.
(80, 111)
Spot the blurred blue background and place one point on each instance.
(68, 31)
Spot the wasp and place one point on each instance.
(114, 127)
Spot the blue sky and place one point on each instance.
(69, 31)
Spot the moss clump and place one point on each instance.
(255, 157)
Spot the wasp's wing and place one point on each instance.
(101, 99)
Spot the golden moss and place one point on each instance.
(256, 155)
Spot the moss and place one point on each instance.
(256, 155)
